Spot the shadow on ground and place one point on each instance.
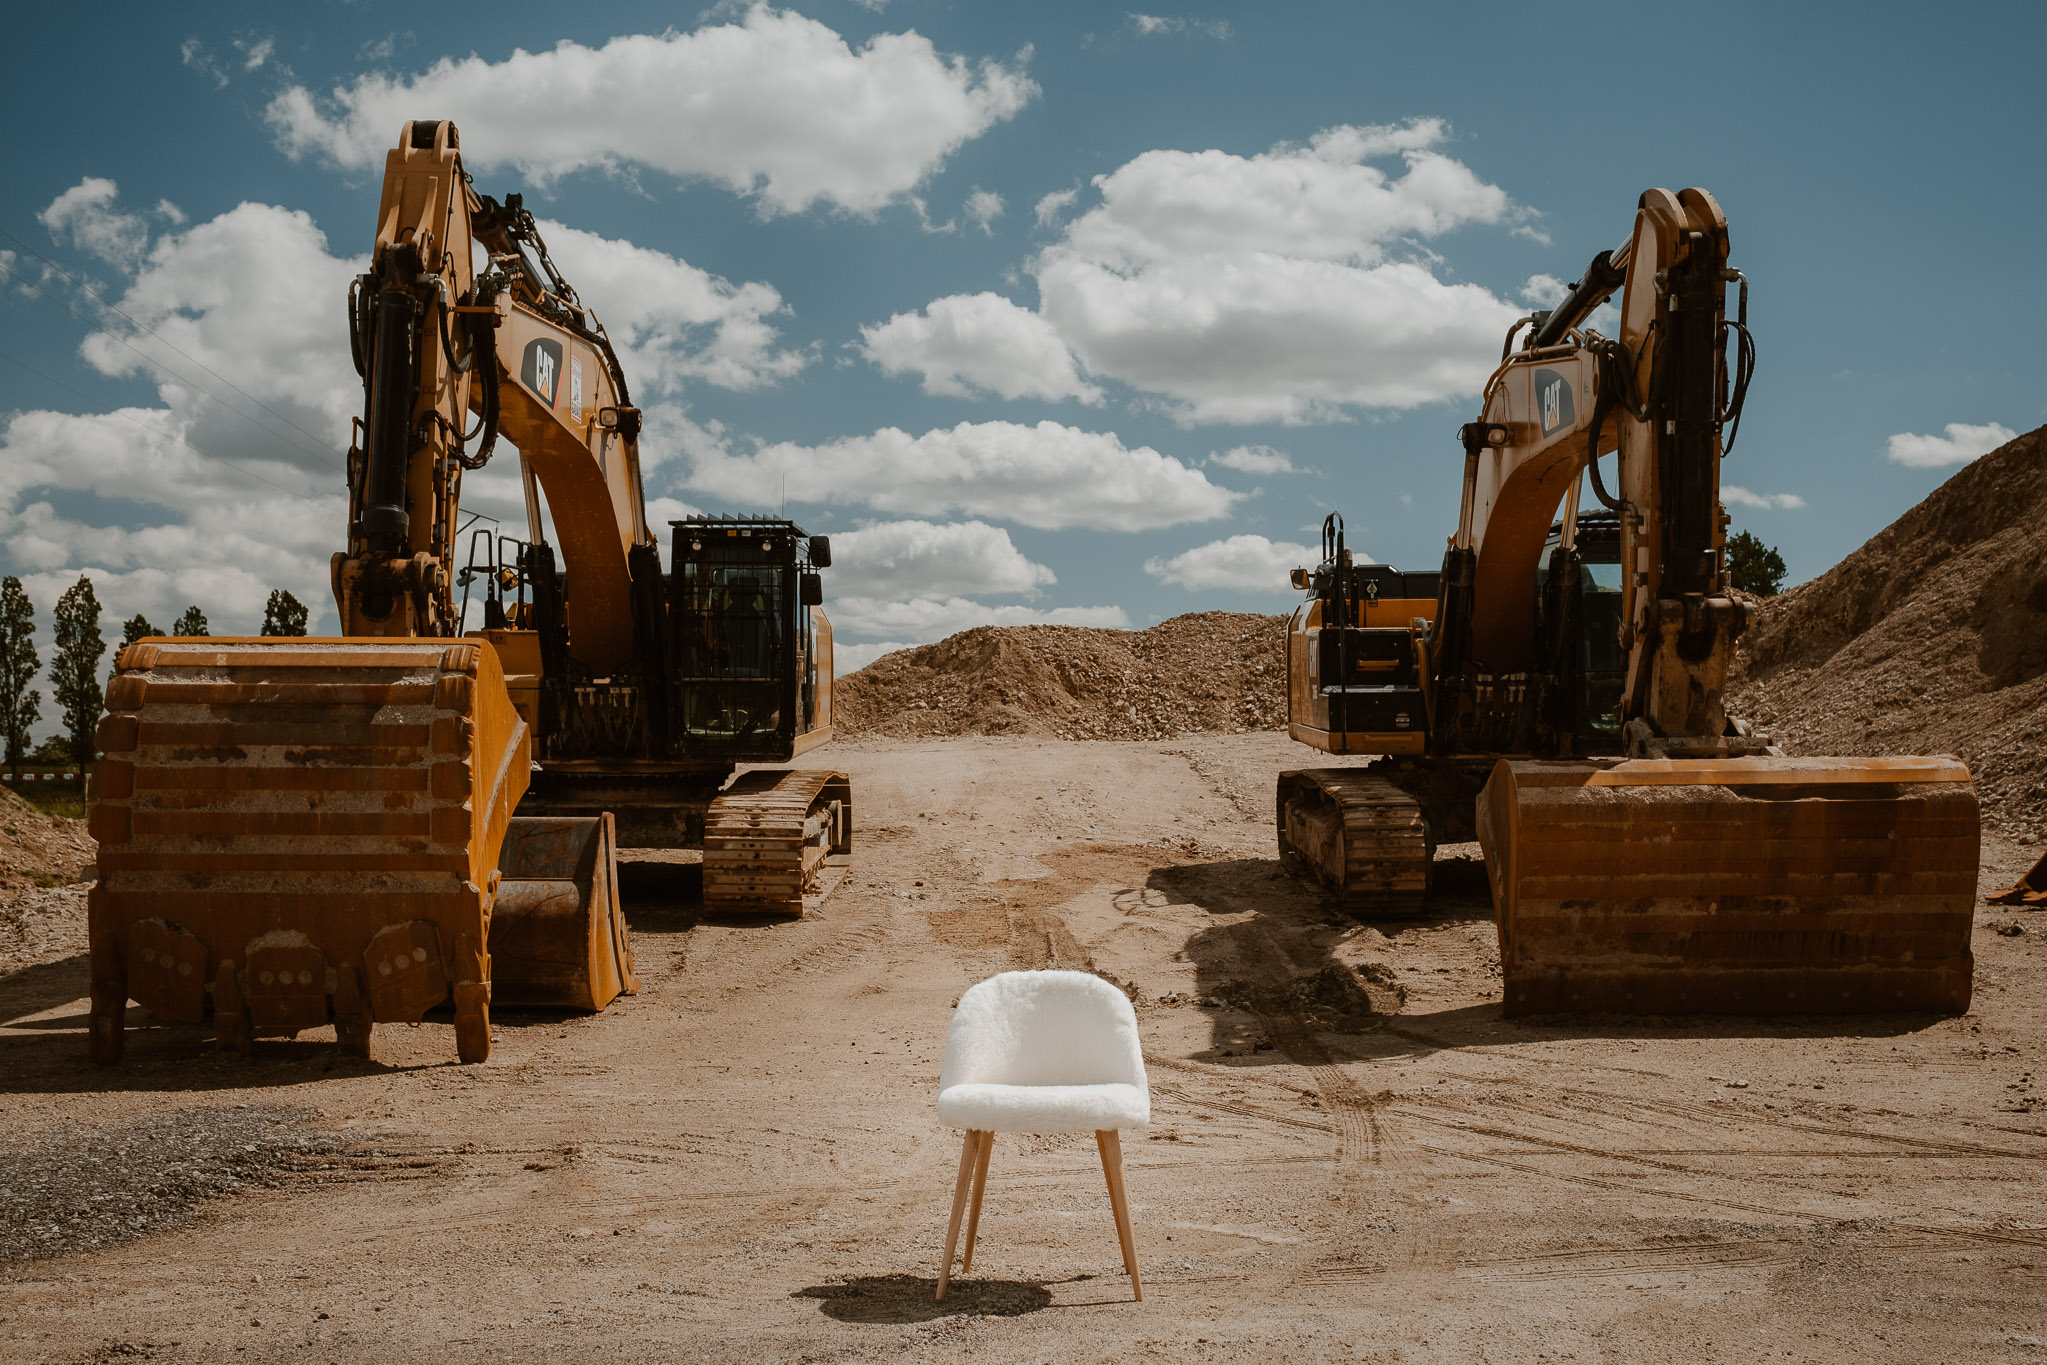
(909, 1298)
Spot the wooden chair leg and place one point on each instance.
(968, 1151)
(1112, 1167)
(974, 1210)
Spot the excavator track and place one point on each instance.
(1751, 886)
(1362, 836)
(778, 841)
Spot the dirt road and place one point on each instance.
(1352, 1156)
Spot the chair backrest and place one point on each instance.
(1043, 1028)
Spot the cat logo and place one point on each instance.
(1553, 393)
(541, 371)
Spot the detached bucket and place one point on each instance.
(557, 935)
(2029, 890)
(1754, 886)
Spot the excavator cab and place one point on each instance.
(747, 638)
(1582, 634)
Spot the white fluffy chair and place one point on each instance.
(1041, 1052)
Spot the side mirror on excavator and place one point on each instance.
(1300, 579)
(821, 552)
(810, 590)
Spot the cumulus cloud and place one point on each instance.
(1254, 460)
(1962, 444)
(1047, 476)
(1734, 495)
(1052, 205)
(777, 106)
(1544, 291)
(922, 558)
(1288, 286)
(671, 321)
(965, 343)
(983, 208)
(87, 218)
(1244, 563)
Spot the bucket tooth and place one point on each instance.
(2029, 890)
(1755, 886)
(778, 841)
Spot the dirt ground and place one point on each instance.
(1352, 1156)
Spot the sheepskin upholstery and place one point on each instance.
(1044, 1052)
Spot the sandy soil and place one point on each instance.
(1352, 1156)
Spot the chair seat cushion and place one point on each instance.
(1043, 1108)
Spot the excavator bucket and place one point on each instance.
(557, 935)
(2029, 890)
(1753, 886)
(300, 831)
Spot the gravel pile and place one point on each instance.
(45, 868)
(1931, 638)
(80, 1189)
(1206, 672)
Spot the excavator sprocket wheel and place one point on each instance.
(778, 841)
(1748, 886)
(1362, 837)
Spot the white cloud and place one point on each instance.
(1151, 25)
(924, 619)
(967, 342)
(1544, 291)
(777, 106)
(1244, 563)
(194, 54)
(86, 218)
(1254, 460)
(1734, 495)
(671, 321)
(1052, 205)
(1275, 287)
(254, 54)
(922, 558)
(1047, 476)
(1962, 444)
(984, 207)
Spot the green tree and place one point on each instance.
(75, 671)
(284, 615)
(1753, 566)
(54, 749)
(193, 622)
(137, 627)
(20, 705)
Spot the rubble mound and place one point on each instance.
(1211, 671)
(45, 861)
(1931, 638)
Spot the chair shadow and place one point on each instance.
(909, 1298)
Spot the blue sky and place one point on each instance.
(1046, 312)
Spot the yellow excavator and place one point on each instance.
(1555, 691)
(360, 829)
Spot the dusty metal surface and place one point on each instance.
(1362, 836)
(302, 830)
(776, 841)
(557, 933)
(1765, 886)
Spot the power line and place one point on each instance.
(156, 431)
(161, 368)
(116, 308)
